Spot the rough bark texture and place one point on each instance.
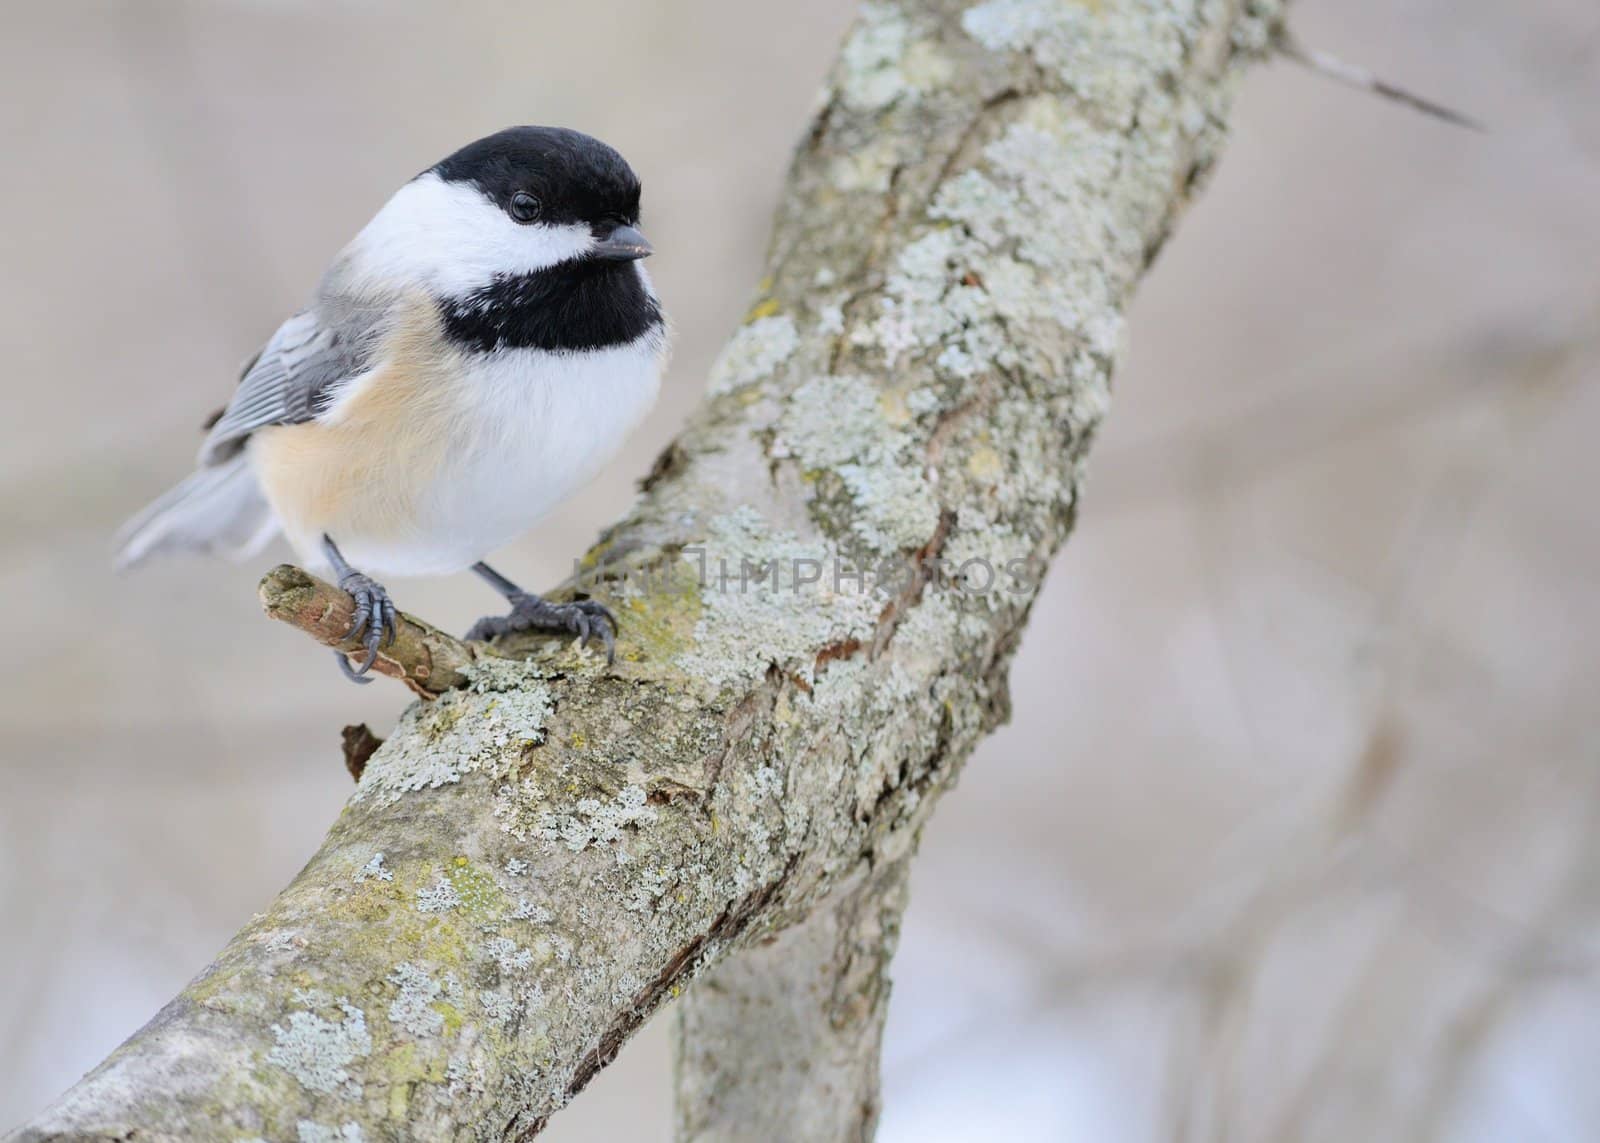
(781, 1041)
(534, 861)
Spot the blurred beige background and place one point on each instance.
(1294, 833)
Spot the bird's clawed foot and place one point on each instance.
(585, 618)
(374, 622)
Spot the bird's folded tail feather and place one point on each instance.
(218, 510)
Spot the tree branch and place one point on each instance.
(538, 858)
(425, 659)
(781, 1041)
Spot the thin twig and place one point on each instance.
(427, 660)
(1362, 80)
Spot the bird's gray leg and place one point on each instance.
(585, 618)
(375, 618)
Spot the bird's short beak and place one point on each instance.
(624, 244)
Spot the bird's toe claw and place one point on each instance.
(348, 671)
(487, 628)
(374, 621)
(586, 618)
(596, 620)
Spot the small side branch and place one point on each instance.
(424, 658)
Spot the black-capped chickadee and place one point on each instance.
(478, 351)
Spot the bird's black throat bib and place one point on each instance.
(582, 305)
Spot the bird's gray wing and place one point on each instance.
(297, 374)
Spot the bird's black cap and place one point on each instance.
(575, 177)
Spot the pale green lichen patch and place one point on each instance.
(864, 169)
(417, 1002)
(373, 870)
(464, 1077)
(896, 509)
(526, 910)
(480, 895)
(649, 891)
(870, 75)
(1105, 52)
(318, 1052)
(982, 560)
(501, 1007)
(838, 422)
(1005, 445)
(280, 941)
(773, 597)
(524, 812)
(925, 67)
(884, 61)
(1062, 209)
(864, 697)
(514, 966)
(754, 352)
(486, 726)
(309, 1131)
(464, 888)
(832, 420)
(507, 954)
(440, 897)
(506, 676)
(943, 297)
(1025, 246)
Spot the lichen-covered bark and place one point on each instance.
(536, 860)
(781, 1041)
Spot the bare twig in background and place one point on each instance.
(534, 862)
(1362, 80)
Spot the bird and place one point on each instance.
(469, 360)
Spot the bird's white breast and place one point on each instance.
(533, 428)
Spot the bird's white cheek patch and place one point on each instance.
(449, 238)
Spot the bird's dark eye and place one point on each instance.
(524, 207)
